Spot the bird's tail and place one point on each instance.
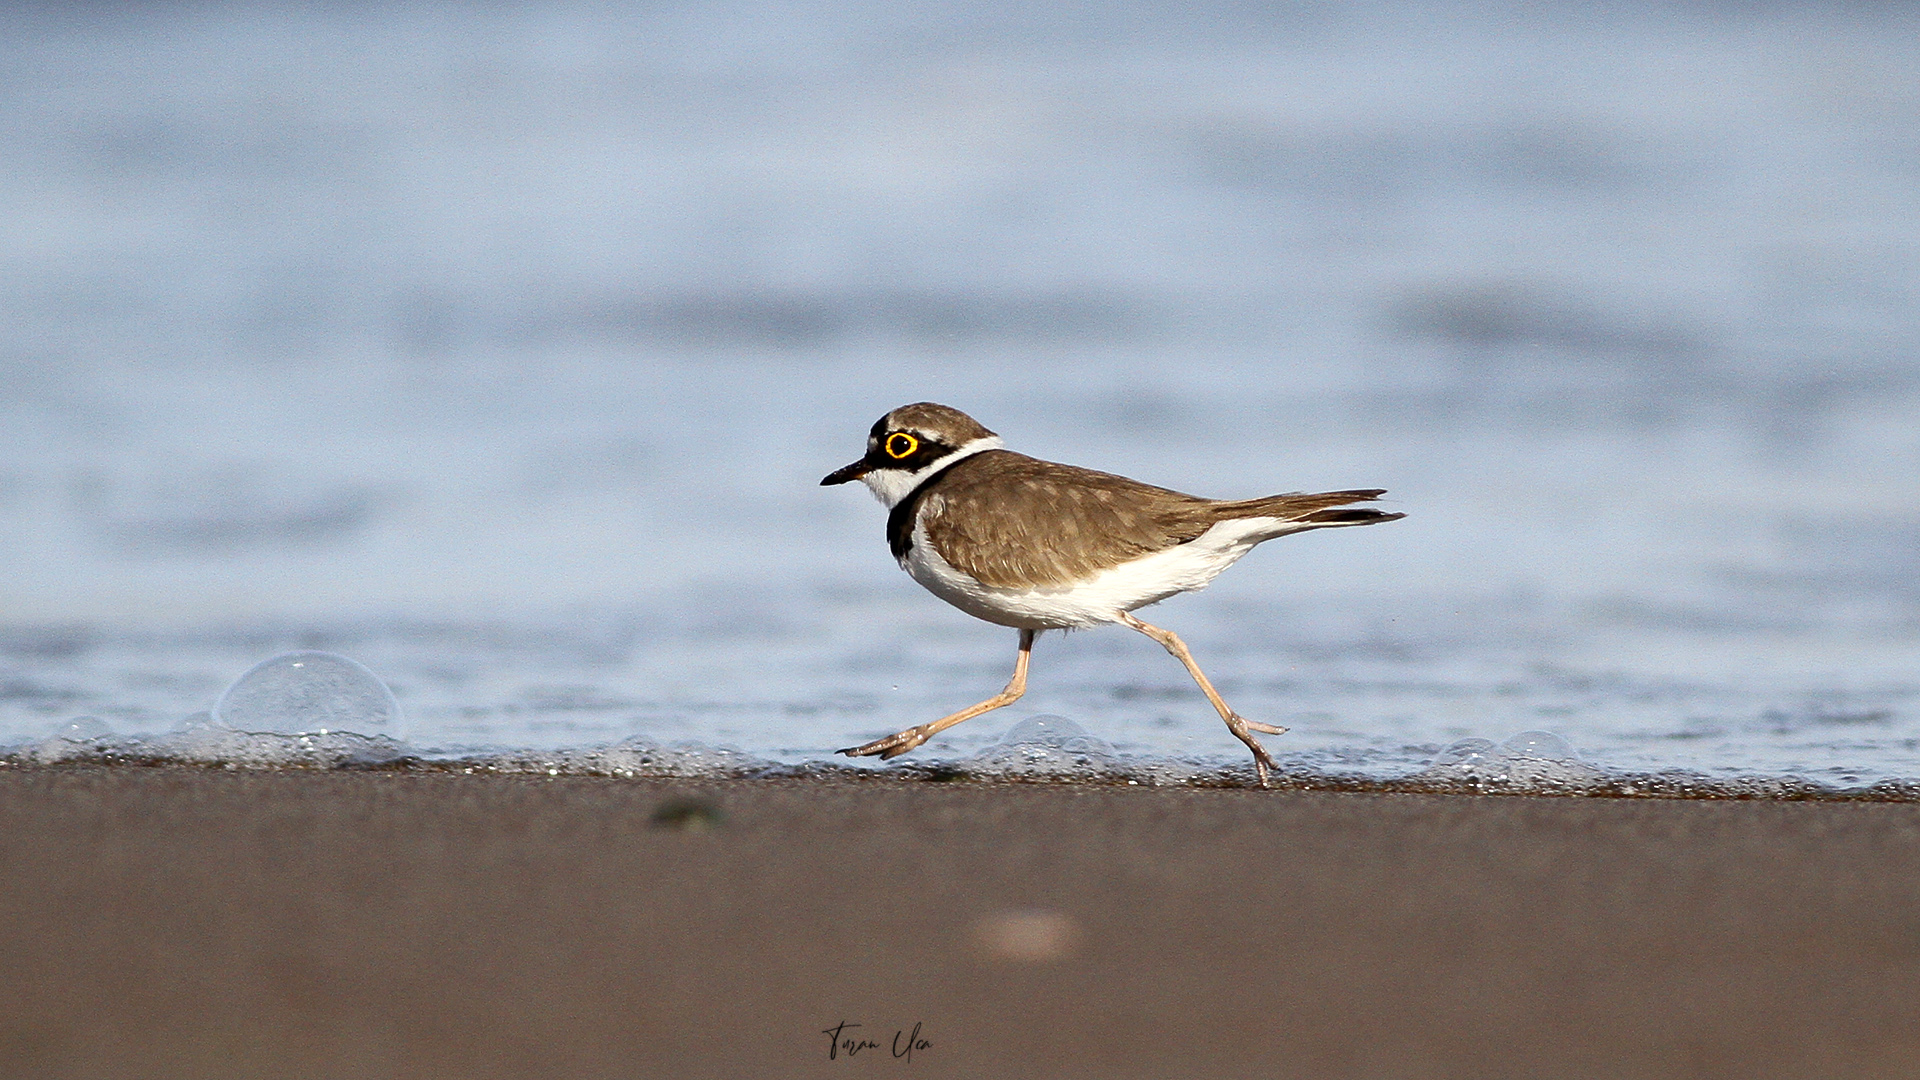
(1298, 512)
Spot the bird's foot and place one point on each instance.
(1262, 764)
(1242, 728)
(893, 745)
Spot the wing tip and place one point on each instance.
(1347, 515)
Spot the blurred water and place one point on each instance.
(501, 348)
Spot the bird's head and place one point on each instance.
(910, 444)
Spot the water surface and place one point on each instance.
(502, 349)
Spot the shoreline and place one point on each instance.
(590, 764)
(211, 922)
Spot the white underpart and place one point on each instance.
(1146, 580)
(892, 485)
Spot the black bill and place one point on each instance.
(851, 472)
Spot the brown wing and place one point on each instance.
(1015, 522)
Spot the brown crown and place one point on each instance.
(948, 425)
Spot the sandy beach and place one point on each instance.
(175, 922)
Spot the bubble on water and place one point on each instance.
(1532, 761)
(215, 744)
(82, 736)
(1470, 756)
(631, 757)
(308, 693)
(1044, 746)
(200, 739)
(81, 729)
(639, 756)
(1540, 744)
(1049, 730)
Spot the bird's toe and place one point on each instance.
(890, 747)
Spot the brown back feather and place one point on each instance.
(1016, 522)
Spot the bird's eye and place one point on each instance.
(901, 445)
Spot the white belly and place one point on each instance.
(1146, 580)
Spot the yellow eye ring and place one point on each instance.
(901, 445)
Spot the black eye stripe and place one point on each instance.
(895, 448)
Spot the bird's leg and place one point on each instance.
(1241, 727)
(901, 742)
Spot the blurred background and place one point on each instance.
(502, 346)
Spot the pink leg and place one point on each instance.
(1241, 727)
(899, 743)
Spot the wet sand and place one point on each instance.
(185, 923)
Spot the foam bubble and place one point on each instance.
(308, 693)
(80, 737)
(202, 740)
(1044, 746)
(633, 757)
(1531, 761)
(1540, 744)
(82, 729)
(1470, 757)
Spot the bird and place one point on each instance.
(1037, 545)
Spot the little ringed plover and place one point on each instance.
(1036, 545)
